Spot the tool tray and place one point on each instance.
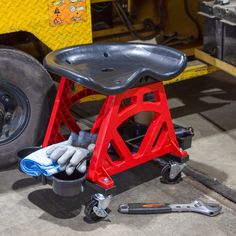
(62, 184)
(185, 142)
(133, 134)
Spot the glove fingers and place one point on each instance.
(51, 149)
(66, 156)
(70, 169)
(57, 153)
(77, 157)
(82, 168)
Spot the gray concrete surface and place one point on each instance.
(30, 209)
(208, 104)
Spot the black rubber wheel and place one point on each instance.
(90, 214)
(29, 88)
(165, 176)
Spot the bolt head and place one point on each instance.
(105, 180)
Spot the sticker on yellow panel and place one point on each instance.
(67, 11)
(57, 3)
(57, 10)
(77, 11)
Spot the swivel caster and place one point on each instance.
(97, 207)
(172, 173)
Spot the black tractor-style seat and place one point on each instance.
(112, 68)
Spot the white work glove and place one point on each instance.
(69, 157)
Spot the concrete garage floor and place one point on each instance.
(208, 104)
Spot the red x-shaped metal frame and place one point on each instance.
(159, 139)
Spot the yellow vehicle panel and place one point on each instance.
(57, 23)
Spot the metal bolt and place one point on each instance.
(105, 180)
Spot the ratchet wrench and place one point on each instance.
(197, 206)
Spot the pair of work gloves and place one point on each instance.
(72, 154)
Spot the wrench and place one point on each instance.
(197, 206)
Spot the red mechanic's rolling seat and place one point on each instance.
(122, 71)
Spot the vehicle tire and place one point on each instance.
(26, 97)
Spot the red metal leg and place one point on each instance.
(159, 139)
(65, 99)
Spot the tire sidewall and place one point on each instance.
(28, 75)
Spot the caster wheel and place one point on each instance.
(90, 214)
(165, 176)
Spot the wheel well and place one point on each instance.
(25, 42)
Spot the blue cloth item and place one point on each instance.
(38, 163)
